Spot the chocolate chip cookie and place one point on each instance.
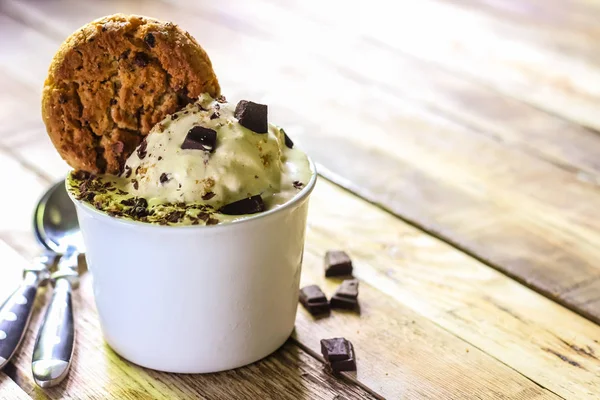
(112, 80)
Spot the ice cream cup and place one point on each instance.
(197, 299)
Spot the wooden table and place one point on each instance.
(459, 147)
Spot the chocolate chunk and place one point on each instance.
(338, 354)
(200, 138)
(252, 116)
(212, 221)
(113, 102)
(314, 300)
(164, 178)
(208, 195)
(141, 59)
(288, 141)
(346, 296)
(348, 289)
(128, 171)
(141, 150)
(149, 39)
(298, 184)
(214, 115)
(135, 183)
(174, 116)
(159, 158)
(250, 205)
(337, 263)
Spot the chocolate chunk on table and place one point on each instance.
(314, 300)
(252, 116)
(250, 205)
(346, 297)
(338, 354)
(337, 263)
(200, 138)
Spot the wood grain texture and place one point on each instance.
(9, 390)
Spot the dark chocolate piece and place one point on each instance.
(149, 39)
(338, 354)
(348, 289)
(214, 115)
(250, 205)
(337, 263)
(200, 138)
(252, 116)
(343, 303)
(288, 141)
(314, 300)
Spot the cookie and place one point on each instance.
(112, 80)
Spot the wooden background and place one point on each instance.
(459, 147)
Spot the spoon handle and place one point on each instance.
(55, 342)
(15, 314)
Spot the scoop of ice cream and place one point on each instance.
(203, 154)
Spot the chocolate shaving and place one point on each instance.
(298, 184)
(128, 171)
(250, 205)
(208, 195)
(288, 142)
(141, 150)
(164, 177)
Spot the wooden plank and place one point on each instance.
(97, 372)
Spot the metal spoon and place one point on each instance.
(56, 228)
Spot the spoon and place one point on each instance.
(57, 229)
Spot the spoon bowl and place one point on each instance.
(55, 221)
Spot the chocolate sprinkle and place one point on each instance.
(141, 151)
(149, 39)
(314, 300)
(200, 138)
(208, 195)
(337, 263)
(250, 205)
(252, 116)
(338, 354)
(288, 141)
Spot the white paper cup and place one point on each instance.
(197, 299)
